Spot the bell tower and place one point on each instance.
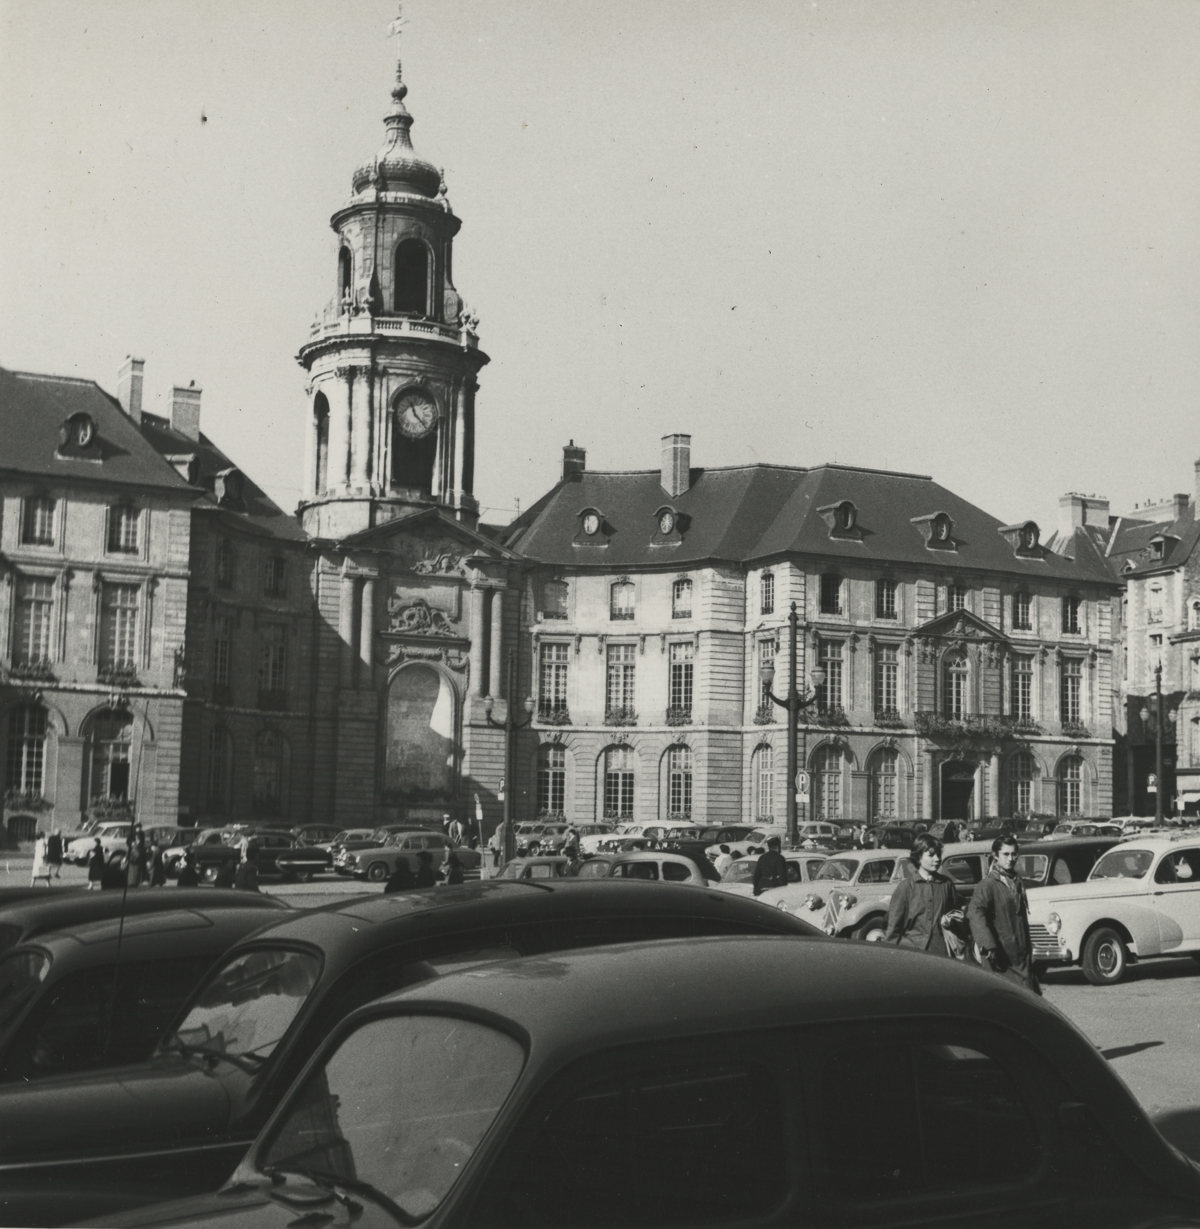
(393, 359)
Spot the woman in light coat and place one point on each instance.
(41, 868)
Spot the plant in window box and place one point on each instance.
(764, 715)
(620, 716)
(25, 800)
(111, 808)
(37, 669)
(678, 715)
(679, 817)
(1075, 729)
(833, 715)
(890, 719)
(122, 675)
(1025, 725)
(554, 715)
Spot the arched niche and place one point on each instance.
(421, 747)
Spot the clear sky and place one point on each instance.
(951, 237)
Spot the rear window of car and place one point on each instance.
(1123, 864)
(962, 869)
(675, 872)
(877, 872)
(1032, 869)
(636, 870)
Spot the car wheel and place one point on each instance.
(306, 876)
(377, 872)
(872, 930)
(1105, 957)
(210, 872)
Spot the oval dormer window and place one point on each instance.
(666, 522)
(591, 523)
(1029, 536)
(847, 515)
(941, 527)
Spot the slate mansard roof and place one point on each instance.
(757, 513)
(1131, 553)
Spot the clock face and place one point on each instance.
(591, 523)
(416, 414)
(666, 522)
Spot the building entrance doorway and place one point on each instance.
(958, 790)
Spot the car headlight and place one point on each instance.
(1053, 923)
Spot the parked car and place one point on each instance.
(739, 877)
(275, 853)
(196, 838)
(1142, 899)
(662, 865)
(657, 833)
(888, 836)
(696, 844)
(178, 1124)
(539, 867)
(100, 993)
(114, 838)
(379, 862)
(1056, 861)
(1088, 828)
(590, 836)
(625, 1088)
(597, 867)
(321, 836)
(375, 838)
(755, 841)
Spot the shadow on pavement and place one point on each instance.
(1159, 969)
(1182, 1128)
(1125, 1051)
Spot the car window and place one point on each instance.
(1061, 872)
(1032, 868)
(877, 872)
(675, 872)
(793, 872)
(814, 866)
(1123, 864)
(407, 1126)
(1179, 866)
(962, 869)
(21, 976)
(840, 869)
(540, 870)
(594, 870)
(637, 870)
(654, 1140)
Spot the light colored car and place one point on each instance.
(655, 865)
(739, 877)
(113, 839)
(658, 830)
(379, 863)
(535, 868)
(754, 843)
(1141, 900)
(590, 836)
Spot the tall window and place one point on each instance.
(35, 612)
(112, 740)
(1022, 606)
(766, 593)
(679, 782)
(222, 649)
(885, 599)
(1071, 682)
(272, 663)
(25, 765)
(37, 523)
(831, 594)
(621, 666)
(1022, 687)
(321, 424)
(1070, 785)
(224, 564)
(681, 679)
(412, 278)
(220, 768)
(621, 600)
(275, 576)
(618, 783)
(1194, 742)
(551, 780)
(828, 782)
(829, 694)
(554, 599)
(268, 773)
(345, 274)
(957, 596)
(119, 626)
(884, 778)
(767, 650)
(957, 676)
(1022, 769)
(887, 669)
(681, 599)
(552, 684)
(1154, 605)
(123, 529)
(764, 783)
(1070, 615)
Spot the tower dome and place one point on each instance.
(396, 167)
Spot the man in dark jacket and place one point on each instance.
(999, 916)
(770, 871)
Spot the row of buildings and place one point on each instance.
(174, 645)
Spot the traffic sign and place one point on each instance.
(801, 783)
(1152, 783)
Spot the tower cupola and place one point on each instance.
(397, 167)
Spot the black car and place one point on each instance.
(179, 1123)
(696, 847)
(274, 853)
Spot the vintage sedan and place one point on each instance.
(113, 836)
(73, 1147)
(660, 865)
(1142, 899)
(624, 1086)
(348, 842)
(378, 863)
(275, 853)
(536, 868)
(739, 877)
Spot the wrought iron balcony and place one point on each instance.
(118, 674)
(678, 715)
(554, 713)
(620, 716)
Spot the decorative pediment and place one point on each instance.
(429, 543)
(961, 625)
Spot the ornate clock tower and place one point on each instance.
(394, 357)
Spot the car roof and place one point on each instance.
(1159, 844)
(653, 855)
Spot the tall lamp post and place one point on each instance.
(1158, 741)
(510, 725)
(793, 703)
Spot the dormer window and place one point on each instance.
(942, 525)
(842, 519)
(668, 524)
(1025, 539)
(1157, 548)
(77, 436)
(229, 488)
(591, 527)
(938, 530)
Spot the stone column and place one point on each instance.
(460, 431)
(346, 631)
(366, 631)
(309, 486)
(927, 787)
(476, 625)
(993, 784)
(338, 392)
(360, 397)
(496, 645)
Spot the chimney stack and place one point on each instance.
(1075, 511)
(575, 460)
(129, 386)
(185, 410)
(676, 464)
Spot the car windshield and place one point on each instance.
(841, 869)
(743, 868)
(1123, 864)
(246, 1007)
(399, 1109)
(20, 975)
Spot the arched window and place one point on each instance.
(1070, 786)
(679, 783)
(1194, 742)
(957, 677)
(621, 600)
(551, 781)
(26, 761)
(321, 427)
(412, 278)
(885, 776)
(270, 762)
(618, 783)
(112, 743)
(763, 772)
(681, 599)
(827, 799)
(220, 768)
(1194, 615)
(1022, 770)
(345, 276)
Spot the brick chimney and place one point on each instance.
(1076, 510)
(676, 464)
(575, 460)
(129, 386)
(185, 410)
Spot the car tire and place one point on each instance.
(872, 930)
(377, 872)
(210, 872)
(306, 876)
(1105, 957)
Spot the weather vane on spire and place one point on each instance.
(396, 26)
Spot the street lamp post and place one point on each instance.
(793, 703)
(1158, 741)
(510, 725)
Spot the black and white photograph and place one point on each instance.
(599, 614)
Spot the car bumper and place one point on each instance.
(1048, 948)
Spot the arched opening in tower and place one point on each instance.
(413, 460)
(321, 426)
(411, 293)
(345, 275)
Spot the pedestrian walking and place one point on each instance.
(573, 860)
(454, 870)
(426, 875)
(999, 917)
(54, 853)
(41, 868)
(246, 877)
(497, 844)
(770, 871)
(723, 861)
(401, 879)
(96, 862)
(920, 902)
(226, 874)
(158, 868)
(189, 877)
